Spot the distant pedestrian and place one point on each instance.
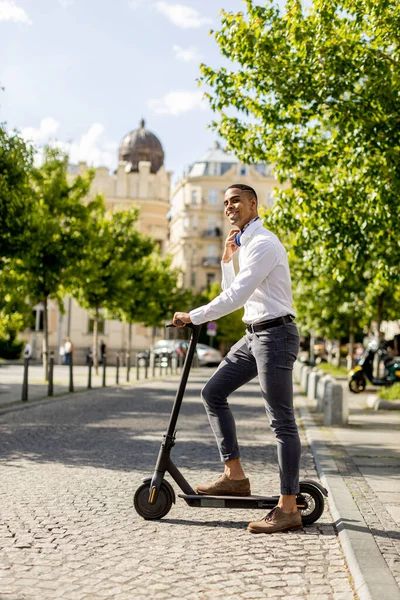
(103, 350)
(28, 350)
(89, 356)
(68, 350)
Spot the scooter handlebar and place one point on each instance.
(189, 325)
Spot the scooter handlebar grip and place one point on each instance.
(189, 325)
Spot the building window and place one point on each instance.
(37, 323)
(214, 168)
(195, 222)
(243, 170)
(213, 197)
(210, 278)
(270, 198)
(212, 251)
(193, 279)
(100, 326)
(194, 197)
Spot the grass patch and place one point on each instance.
(390, 393)
(333, 370)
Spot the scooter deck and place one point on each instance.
(234, 501)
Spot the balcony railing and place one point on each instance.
(210, 261)
(212, 232)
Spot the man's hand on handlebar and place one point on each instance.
(180, 319)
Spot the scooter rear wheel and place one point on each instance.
(148, 511)
(315, 503)
(357, 385)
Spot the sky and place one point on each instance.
(84, 72)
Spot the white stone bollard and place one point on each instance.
(297, 370)
(304, 377)
(320, 397)
(313, 379)
(335, 413)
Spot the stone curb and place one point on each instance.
(378, 404)
(372, 577)
(13, 407)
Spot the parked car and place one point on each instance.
(165, 348)
(208, 355)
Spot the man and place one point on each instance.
(268, 349)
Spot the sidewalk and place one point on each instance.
(361, 463)
(11, 377)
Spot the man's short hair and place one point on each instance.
(244, 187)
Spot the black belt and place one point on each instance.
(272, 323)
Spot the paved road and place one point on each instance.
(68, 530)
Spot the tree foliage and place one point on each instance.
(317, 93)
(56, 236)
(16, 199)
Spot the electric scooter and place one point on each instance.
(357, 377)
(154, 498)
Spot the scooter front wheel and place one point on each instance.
(148, 511)
(357, 385)
(315, 503)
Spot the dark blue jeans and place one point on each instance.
(270, 354)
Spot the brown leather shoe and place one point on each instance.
(224, 486)
(276, 520)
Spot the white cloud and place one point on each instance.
(187, 54)
(182, 16)
(9, 11)
(66, 3)
(178, 102)
(135, 3)
(38, 135)
(92, 147)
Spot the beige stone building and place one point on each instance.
(198, 226)
(141, 180)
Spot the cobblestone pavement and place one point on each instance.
(68, 529)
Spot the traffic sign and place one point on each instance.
(211, 328)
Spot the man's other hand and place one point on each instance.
(181, 316)
(230, 246)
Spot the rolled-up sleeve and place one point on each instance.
(228, 274)
(262, 258)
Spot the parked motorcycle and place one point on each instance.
(357, 377)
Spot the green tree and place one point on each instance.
(152, 294)
(16, 199)
(105, 270)
(317, 93)
(56, 235)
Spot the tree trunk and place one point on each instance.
(379, 315)
(329, 347)
(337, 357)
(45, 341)
(96, 342)
(312, 344)
(350, 359)
(379, 319)
(130, 340)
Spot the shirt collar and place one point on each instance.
(249, 229)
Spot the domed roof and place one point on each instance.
(141, 144)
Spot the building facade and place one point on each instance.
(139, 180)
(198, 227)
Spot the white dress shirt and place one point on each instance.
(262, 285)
